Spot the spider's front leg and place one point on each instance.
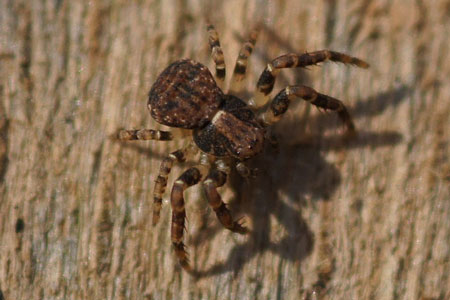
(280, 104)
(214, 180)
(267, 79)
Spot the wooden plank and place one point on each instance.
(330, 219)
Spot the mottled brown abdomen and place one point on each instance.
(185, 95)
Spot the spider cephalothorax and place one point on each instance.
(225, 130)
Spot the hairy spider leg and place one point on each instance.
(217, 55)
(215, 179)
(267, 78)
(237, 80)
(279, 105)
(189, 178)
(145, 134)
(164, 171)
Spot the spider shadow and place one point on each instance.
(293, 176)
(258, 200)
(290, 177)
(297, 172)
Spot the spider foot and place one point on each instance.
(182, 255)
(239, 226)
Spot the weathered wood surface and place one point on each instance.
(366, 219)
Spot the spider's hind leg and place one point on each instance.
(237, 81)
(280, 104)
(145, 134)
(152, 134)
(166, 164)
(217, 55)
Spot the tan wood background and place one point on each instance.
(330, 219)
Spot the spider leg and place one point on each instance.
(240, 68)
(267, 79)
(214, 180)
(189, 178)
(217, 54)
(145, 134)
(164, 171)
(281, 102)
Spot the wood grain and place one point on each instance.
(330, 219)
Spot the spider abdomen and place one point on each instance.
(185, 95)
